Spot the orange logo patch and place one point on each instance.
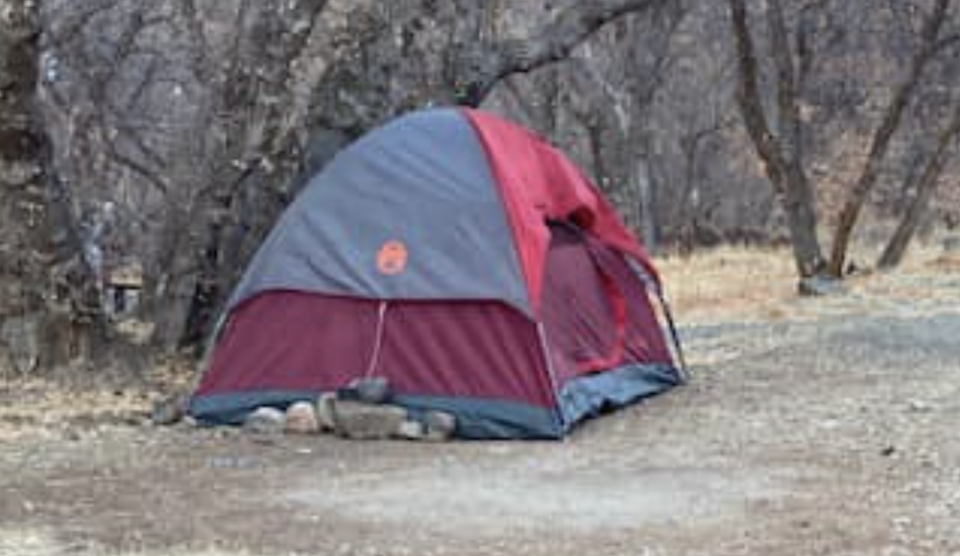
(392, 257)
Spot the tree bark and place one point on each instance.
(551, 43)
(930, 45)
(41, 300)
(926, 185)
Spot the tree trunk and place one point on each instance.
(925, 187)
(41, 312)
(780, 154)
(857, 196)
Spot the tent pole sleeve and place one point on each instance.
(378, 341)
(684, 372)
(653, 284)
(554, 383)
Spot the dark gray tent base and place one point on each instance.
(579, 399)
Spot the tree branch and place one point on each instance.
(485, 65)
(750, 100)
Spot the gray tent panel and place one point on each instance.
(410, 211)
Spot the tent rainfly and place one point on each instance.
(463, 259)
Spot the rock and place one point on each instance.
(819, 286)
(372, 390)
(951, 249)
(359, 420)
(266, 421)
(170, 410)
(325, 411)
(411, 430)
(301, 418)
(440, 425)
(951, 244)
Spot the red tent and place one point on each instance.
(465, 260)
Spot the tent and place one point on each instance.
(465, 260)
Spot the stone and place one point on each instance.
(363, 421)
(440, 425)
(301, 418)
(951, 245)
(411, 430)
(325, 411)
(170, 410)
(819, 286)
(266, 421)
(372, 390)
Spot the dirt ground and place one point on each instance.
(827, 426)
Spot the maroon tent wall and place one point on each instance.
(485, 361)
(578, 312)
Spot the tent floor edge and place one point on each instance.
(588, 396)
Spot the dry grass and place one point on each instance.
(36, 406)
(728, 283)
(747, 283)
(51, 405)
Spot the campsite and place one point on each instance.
(655, 277)
(772, 448)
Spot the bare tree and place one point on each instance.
(791, 58)
(923, 189)
(781, 152)
(931, 43)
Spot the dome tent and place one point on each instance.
(465, 260)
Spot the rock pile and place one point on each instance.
(359, 411)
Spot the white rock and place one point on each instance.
(265, 420)
(301, 419)
(411, 430)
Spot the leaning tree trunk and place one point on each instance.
(925, 187)
(930, 45)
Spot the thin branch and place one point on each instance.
(552, 43)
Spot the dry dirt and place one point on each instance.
(829, 426)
